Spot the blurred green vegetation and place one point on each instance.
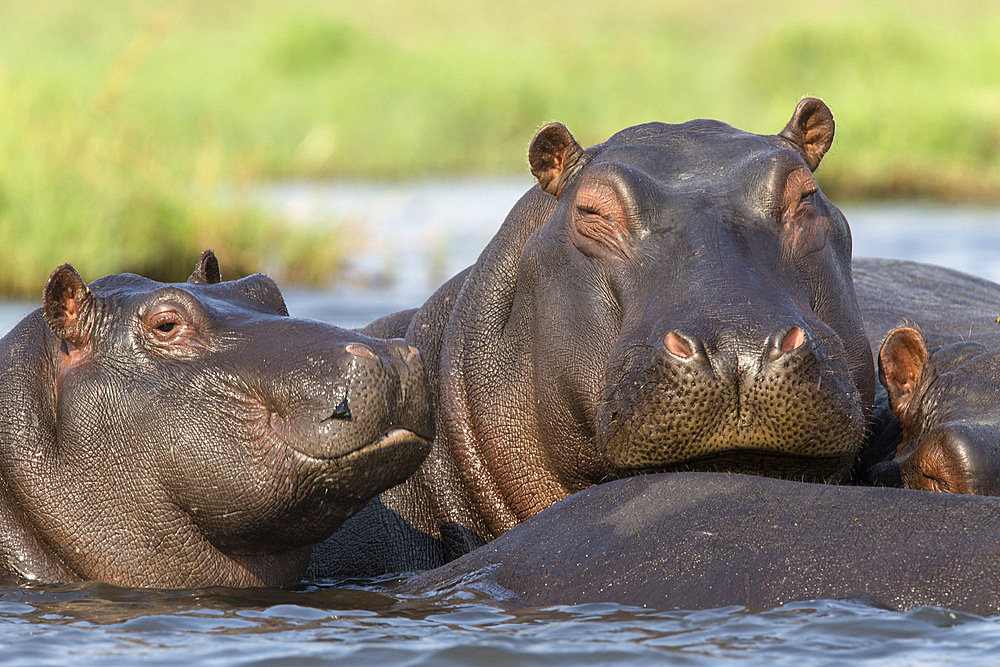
(122, 123)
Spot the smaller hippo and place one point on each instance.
(941, 407)
(192, 434)
(947, 401)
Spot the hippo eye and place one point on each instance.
(806, 201)
(800, 193)
(600, 221)
(808, 192)
(165, 324)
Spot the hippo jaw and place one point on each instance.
(356, 423)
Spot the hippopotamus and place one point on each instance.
(192, 434)
(677, 297)
(694, 540)
(940, 408)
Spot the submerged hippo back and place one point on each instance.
(948, 305)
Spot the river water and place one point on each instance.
(414, 236)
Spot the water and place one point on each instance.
(102, 624)
(416, 236)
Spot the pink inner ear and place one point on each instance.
(901, 362)
(71, 310)
(553, 151)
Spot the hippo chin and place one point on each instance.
(941, 376)
(192, 434)
(677, 297)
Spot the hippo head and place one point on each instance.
(204, 408)
(694, 293)
(947, 400)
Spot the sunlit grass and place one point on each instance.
(122, 122)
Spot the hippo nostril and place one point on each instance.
(400, 348)
(342, 411)
(359, 350)
(677, 346)
(793, 339)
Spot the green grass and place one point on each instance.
(122, 122)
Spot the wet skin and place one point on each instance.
(192, 434)
(694, 540)
(708, 540)
(941, 374)
(678, 297)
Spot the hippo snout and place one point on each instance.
(954, 458)
(784, 345)
(724, 402)
(366, 390)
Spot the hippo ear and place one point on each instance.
(811, 130)
(552, 155)
(901, 362)
(69, 307)
(206, 271)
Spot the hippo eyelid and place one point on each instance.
(769, 186)
(626, 185)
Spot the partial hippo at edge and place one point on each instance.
(940, 412)
(192, 434)
(678, 297)
(707, 540)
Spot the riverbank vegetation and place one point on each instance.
(130, 132)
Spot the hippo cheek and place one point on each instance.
(797, 414)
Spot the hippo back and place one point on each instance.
(706, 540)
(947, 305)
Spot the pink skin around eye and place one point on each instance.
(600, 218)
(805, 230)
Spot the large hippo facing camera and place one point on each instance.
(677, 297)
(192, 434)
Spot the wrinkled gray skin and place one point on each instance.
(192, 434)
(706, 540)
(941, 373)
(678, 297)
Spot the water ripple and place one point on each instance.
(320, 624)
